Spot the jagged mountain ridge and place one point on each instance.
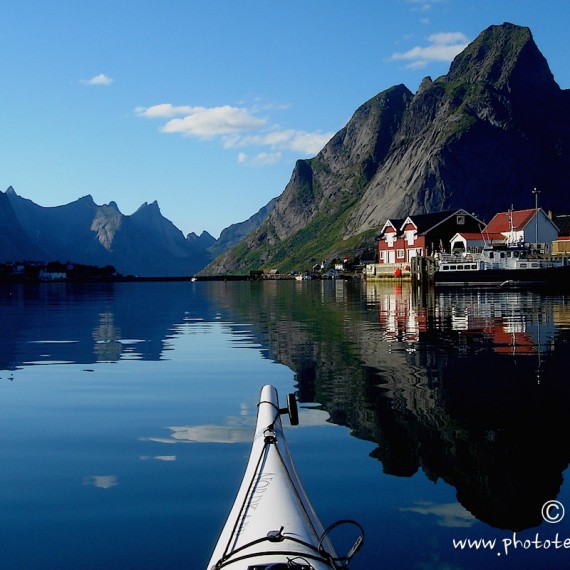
(144, 243)
(479, 138)
(232, 235)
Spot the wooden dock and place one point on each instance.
(422, 270)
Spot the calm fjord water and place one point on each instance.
(126, 415)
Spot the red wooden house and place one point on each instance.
(422, 234)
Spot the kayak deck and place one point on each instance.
(272, 524)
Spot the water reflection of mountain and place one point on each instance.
(65, 322)
(468, 388)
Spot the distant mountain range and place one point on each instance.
(144, 244)
(479, 138)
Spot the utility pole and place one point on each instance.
(536, 192)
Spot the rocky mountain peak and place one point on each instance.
(426, 83)
(86, 200)
(505, 57)
(145, 206)
(479, 138)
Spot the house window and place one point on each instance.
(400, 254)
(460, 220)
(383, 256)
(410, 236)
(419, 252)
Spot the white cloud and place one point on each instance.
(215, 121)
(310, 143)
(167, 458)
(260, 159)
(271, 138)
(446, 38)
(100, 79)
(451, 515)
(423, 5)
(237, 127)
(287, 139)
(265, 158)
(236, 429)
(101, 481)
(205, 434)
(165, 110)
(441, 47)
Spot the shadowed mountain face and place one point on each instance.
(479, 138)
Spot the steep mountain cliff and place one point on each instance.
(479, 138)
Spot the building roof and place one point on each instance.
(502, 221)
(423, 222)
(392, 222)
(426, 222)
(480, 236)
(467, 235)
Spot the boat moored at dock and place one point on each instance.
(498, 265)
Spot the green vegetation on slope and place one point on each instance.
(321, 239)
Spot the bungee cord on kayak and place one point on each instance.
(298, 541)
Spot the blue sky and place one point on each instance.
(205, 106)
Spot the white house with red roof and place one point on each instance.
(532, 227)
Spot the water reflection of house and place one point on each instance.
(399, 318)
(508, 334)
(513, 342)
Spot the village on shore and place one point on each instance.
(399, 243)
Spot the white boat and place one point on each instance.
(500, 265)
(272, 525)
